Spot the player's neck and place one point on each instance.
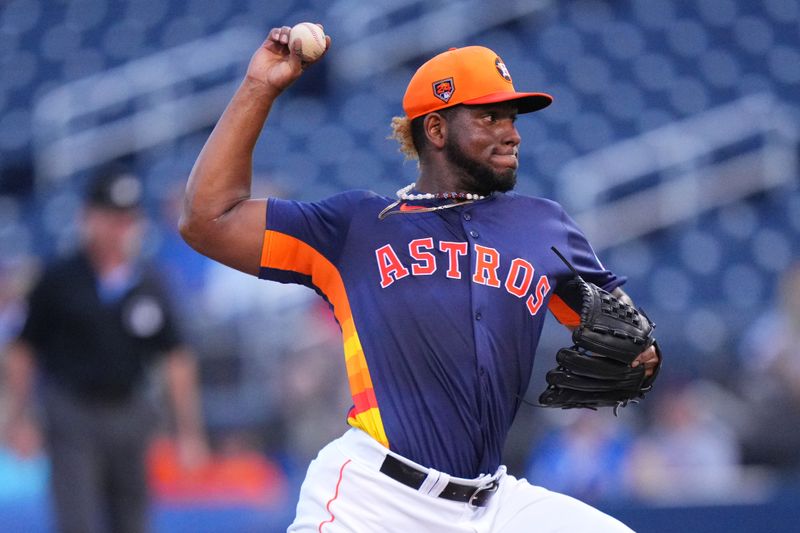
(439, 181)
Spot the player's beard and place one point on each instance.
(478, 177)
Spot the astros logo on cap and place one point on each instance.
(501, 68)
(444, 89)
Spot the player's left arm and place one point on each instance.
(566, 305)
(649, 358)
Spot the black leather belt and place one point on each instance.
(411, 477)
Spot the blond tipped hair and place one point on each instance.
(401, 132)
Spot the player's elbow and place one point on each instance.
(192, 229)
(233, 238)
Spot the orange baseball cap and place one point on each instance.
(471, 75)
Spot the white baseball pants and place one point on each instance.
(344, 491)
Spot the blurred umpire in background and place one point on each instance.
(96, 321)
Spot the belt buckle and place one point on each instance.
(490, 487)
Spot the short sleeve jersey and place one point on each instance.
(440, 311)
(96, 348)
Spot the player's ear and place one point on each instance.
(435, 127)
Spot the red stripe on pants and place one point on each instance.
(335, 495)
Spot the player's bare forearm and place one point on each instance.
(219, 218)
(221, 176)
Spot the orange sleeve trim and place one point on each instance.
(563, 313)
(265, 248)
(284, 252)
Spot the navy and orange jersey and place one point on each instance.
(440, 311)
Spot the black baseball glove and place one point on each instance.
(596, 370)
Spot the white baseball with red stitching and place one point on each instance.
(312, 40)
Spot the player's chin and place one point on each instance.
(505, 180)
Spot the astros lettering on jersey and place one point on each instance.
(487, 262)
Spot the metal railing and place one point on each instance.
(138, 105)
(366, 47)
(694, 171)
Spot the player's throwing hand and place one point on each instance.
(278, 62)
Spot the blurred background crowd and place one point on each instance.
(673, 140)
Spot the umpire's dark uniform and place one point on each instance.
(93, 340)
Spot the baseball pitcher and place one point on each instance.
(440, 292)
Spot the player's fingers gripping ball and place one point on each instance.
(308, 41)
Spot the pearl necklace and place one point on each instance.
(402, 194)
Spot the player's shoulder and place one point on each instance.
(342, 204)
(360, 195)
(354, 201)
(540, 204)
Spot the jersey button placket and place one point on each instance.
(478, 316)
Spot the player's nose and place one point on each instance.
(511, 136)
